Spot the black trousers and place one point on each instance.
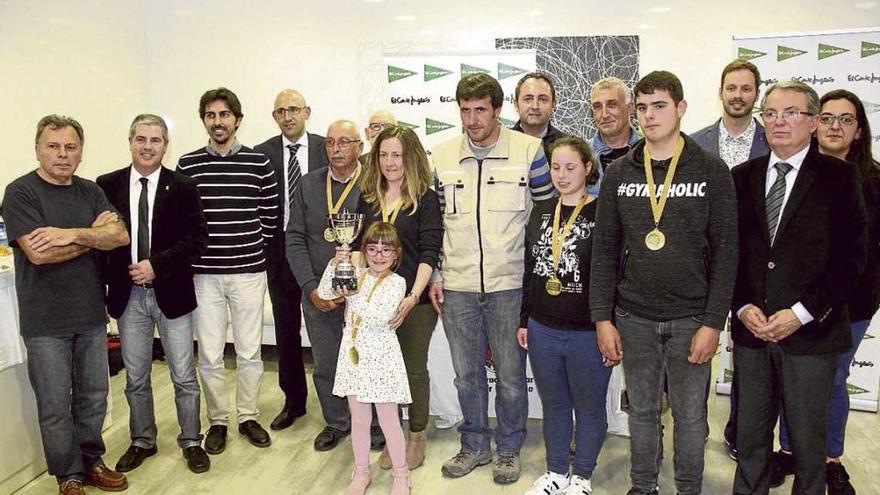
(765, 376)
(286, 296)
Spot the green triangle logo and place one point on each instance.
(507, 122)
(869, 49)
(785, 53)
(467, 70)
(432, 72)
(407, 125)
(748, 54)
(853, 390)
(728, 376)
(505, 71)
(397, 73)
(826, 51)
(434, 126)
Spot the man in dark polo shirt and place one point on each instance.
(57, 222)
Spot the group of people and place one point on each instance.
(630, 249)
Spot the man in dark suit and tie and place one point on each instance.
(150, 283)
(293, 153)
(803, 242)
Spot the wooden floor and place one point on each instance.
(292, 466)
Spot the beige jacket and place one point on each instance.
(486, 209)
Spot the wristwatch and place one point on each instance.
(414, 296)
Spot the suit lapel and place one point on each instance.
(163, 192)
(802, 184)
(123, 188)
(714, 132)
(759, 186)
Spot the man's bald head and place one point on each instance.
(291, 113)
(379, 120)
(344, 144)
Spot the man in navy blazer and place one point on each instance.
(737, 136)
(803, 244)
(150, 284)
(293, 153)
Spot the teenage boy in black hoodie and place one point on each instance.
(663, 269)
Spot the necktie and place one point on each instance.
(143, 240)
(775, 197)
(294, 174)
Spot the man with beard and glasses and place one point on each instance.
(240, 200)
(737, 136)
(535, 99)
(612, 107)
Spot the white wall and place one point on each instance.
(106, 61)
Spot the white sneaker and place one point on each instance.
(579, 486)
(549, 484)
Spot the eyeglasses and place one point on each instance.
(342, 142)
(790, 115)
(378, 126)
(845, 119)
(385, 251)
(282, 112)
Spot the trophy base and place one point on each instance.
(348, 283)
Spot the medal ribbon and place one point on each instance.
(659, 204)
(355, 319)
(390, 216)
(334, 208)
(558, 240)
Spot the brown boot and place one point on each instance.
(385, 460)
(401, 484)
(415, 449)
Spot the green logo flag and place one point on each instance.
(505, 71)
(467, 70)
(785, 53)
(826, 51)
(434, 126)
(507, 122)
(407, 125)
(432, 72)
(869, 49)
(854, 390)
(396, 73)
(748, 54)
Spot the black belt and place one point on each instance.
(145, 286)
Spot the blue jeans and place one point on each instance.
(136, 325)
(654, 351)
(474, 322)
(838, 408)
(69, 376)
(570, 376)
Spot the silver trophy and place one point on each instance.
(346, 227)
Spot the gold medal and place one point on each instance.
(553, 286)
(329, 236)
(353, 355)
(655, 240)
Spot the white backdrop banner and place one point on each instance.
(826, 60)
(421, 87)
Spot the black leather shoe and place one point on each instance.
(133, 458)
(329, 438)
(255, 433)
(215, 439)
(286, 418)
(377, 438)
(781, 465)
(838, 479)
(197, 459)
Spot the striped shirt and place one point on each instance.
(240, 200)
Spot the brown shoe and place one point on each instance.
(71, 487)
(415, 449)
(104, 478)
(385, 460)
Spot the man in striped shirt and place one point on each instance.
(240, 201)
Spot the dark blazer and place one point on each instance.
(819, 253)
(707, 137)
(274, 149)
(179, 234)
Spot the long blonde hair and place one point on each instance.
(416, 171)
